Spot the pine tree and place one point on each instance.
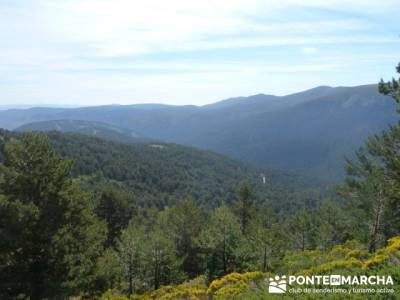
(114, 208)
(183, 223)
(332, 225)
(131, 253)
(263, 245)
(220, 241)
(50, 238)
(367, 191)
(372, 185)
(391, 88)
(300, 230)
(244, 205)
(161, 262)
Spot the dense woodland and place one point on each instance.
(160, 174)
(88, 218)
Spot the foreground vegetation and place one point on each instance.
(67, 232)
(349, 258)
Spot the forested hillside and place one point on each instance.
(160, 174)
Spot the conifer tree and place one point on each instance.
(220, 241)
(50, 239)
(184, 222)
(114, 208)
(131, 253)
(161, 262)
(244, 205)
(372, 186)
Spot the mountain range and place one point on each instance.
(91, 128)
(309, 132)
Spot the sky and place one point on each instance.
(87, 52)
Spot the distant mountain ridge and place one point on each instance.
(308, 132)
(90, 128)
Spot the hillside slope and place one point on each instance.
(161, 174)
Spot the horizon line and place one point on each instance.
(24, 106)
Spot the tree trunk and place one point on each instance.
(156, 272)
(377, 222)
(264, 266)
(130, 280)
(224, 254)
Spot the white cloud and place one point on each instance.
(131, 27)
(45, 45)
(125, 27)
(309, 50)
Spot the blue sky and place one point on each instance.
(87, 52)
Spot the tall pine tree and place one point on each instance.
(373, 183)
(50, 239)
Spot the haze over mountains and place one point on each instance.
(308, 132)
